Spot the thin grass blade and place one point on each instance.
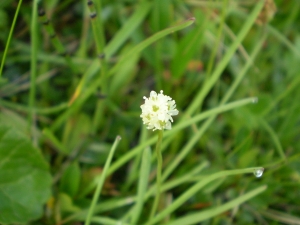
(197, 187)
(101, 181)
(210, 213)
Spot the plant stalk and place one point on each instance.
(158, 173)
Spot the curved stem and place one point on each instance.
(10, 36)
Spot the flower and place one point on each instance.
(157, 111)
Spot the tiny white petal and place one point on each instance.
(157, 111)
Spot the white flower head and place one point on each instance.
(157, 111)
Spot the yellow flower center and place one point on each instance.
(155, 108)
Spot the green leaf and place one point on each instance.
(70, 180)
(25, 180)
(66, 204)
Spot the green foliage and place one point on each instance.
(70, 180)
(73, 79)
(25, 182)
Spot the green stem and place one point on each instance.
(9, 36)
(97, 26)
(158, 172)
(218, 41)
(40, 111)
(55, 40)
(33, 62)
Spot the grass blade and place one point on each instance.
(101, 181)
(142, 186)
(187, 148)
(133, 22)
(33, 63)
(82, 98)
(220, 68)
(195, 188)
(10, 36)
(138, 48)
(281, 217)
(210, 213)
(175, 128)
(55, 40)
(274, 137)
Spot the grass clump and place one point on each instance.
(73, 77)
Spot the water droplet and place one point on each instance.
(254, 100)
(258, 172)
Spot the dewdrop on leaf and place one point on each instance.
(157, 111)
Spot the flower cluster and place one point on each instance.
(158, 110)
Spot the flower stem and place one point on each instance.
(158, 173)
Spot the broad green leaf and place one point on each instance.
(25, 180)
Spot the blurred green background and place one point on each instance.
(72, 83)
